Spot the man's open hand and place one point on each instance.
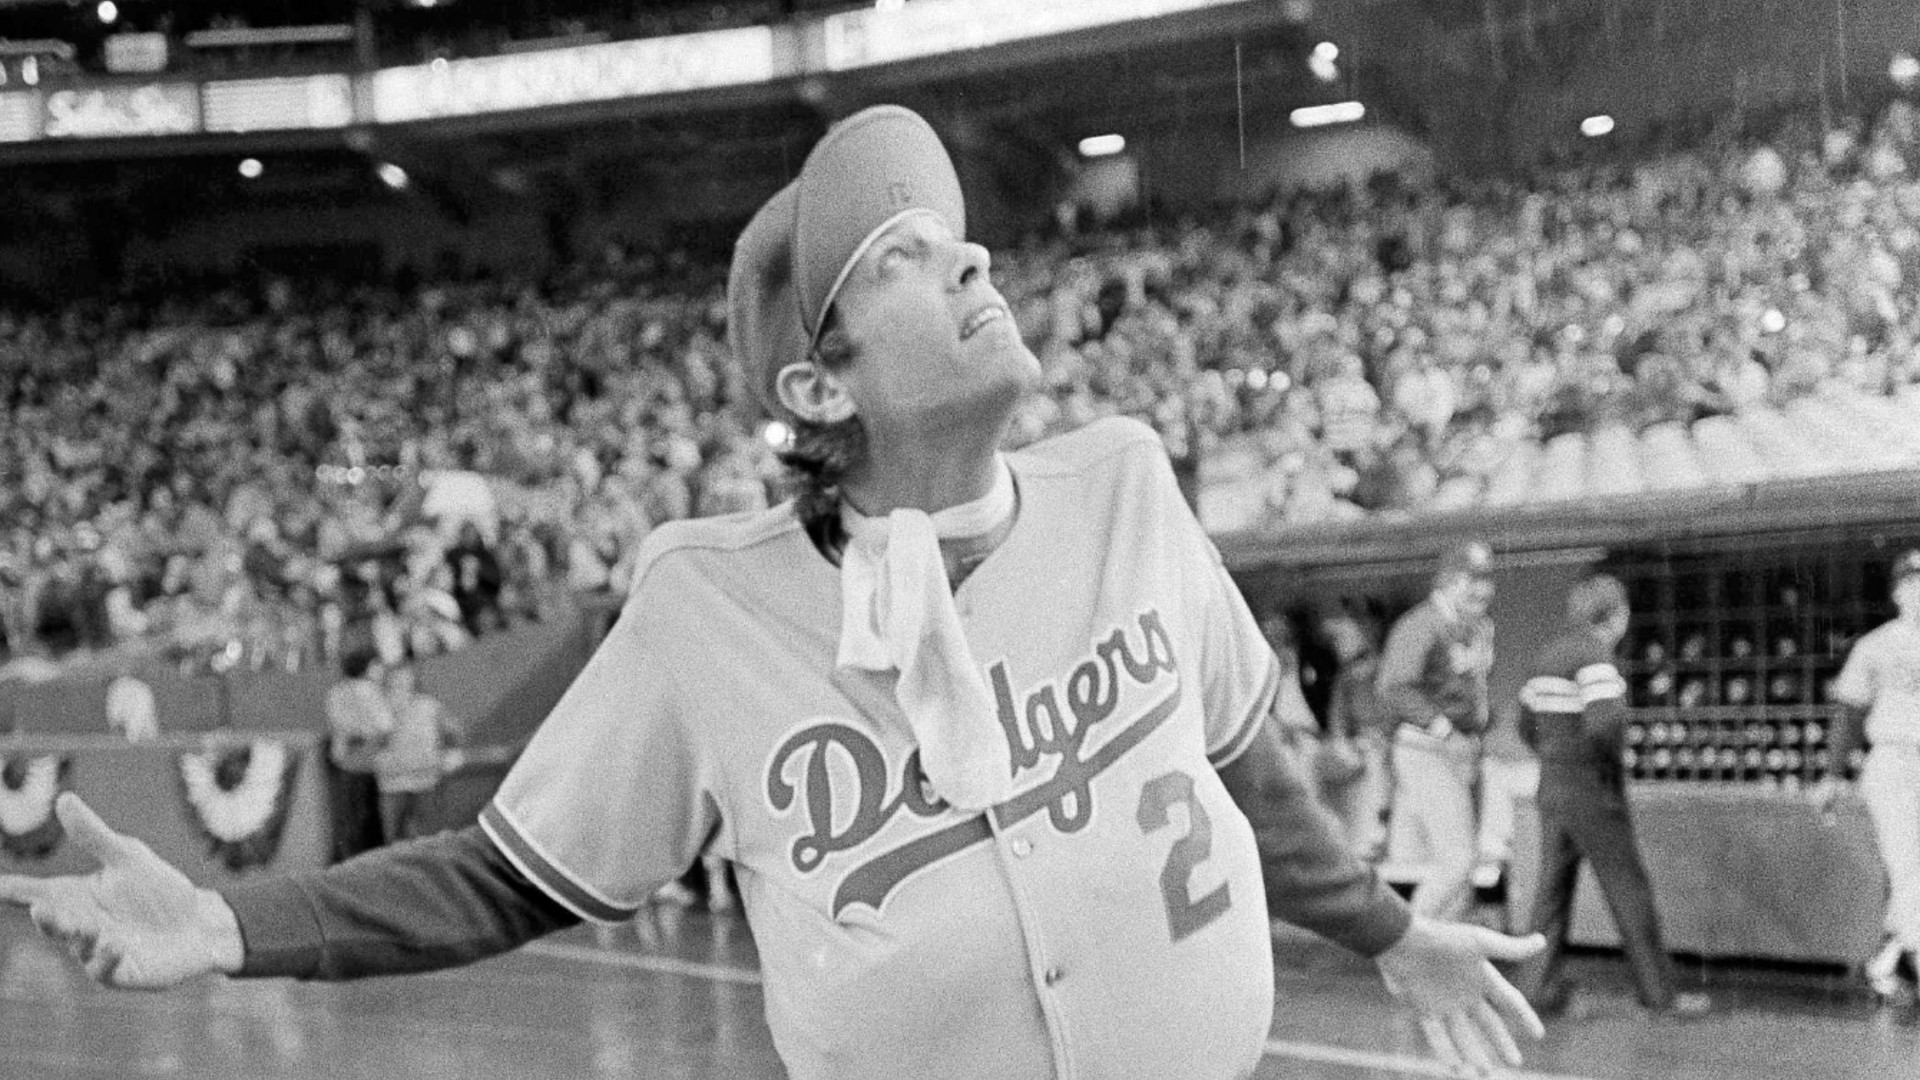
(136, 922)
(1466, 1008)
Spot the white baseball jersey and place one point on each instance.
(1882, 675)
(1108, 921)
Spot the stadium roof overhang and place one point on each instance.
(1761, 512)
(1029, 97)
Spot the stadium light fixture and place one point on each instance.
(1903, 69)
(1321, 62)
(251, 168)
(108, 11)
(392, 175)
(1102, 145)
(1595, 126)
(1339, 112)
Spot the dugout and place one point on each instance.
(1746, 598)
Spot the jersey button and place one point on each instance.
(1054, 975)
(1022, 848)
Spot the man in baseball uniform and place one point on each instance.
(1573, 714)
(1881, 679)
(986, 735)
(1433, 681)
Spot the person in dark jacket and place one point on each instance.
(476, 581)
(1573, 712)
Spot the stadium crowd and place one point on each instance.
(230, 478)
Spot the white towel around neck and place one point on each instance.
(898, 615)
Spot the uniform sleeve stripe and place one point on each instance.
(1594, 673)
(1552, 706)
(1550, 695)
(1599, 682)
(1251, 724)
(1566, 707)
(525, 855)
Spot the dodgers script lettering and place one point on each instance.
(811, 768)
(1092, 692)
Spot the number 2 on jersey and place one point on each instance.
(1185, 915)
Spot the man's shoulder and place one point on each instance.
(1890, 638)
(677, 545)
(1423, 617)
(681, 562)
(1570, 650)
(1105, 443)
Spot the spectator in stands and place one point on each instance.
(360, 720)
(14, 605)
(418, 753)
(429, 611)
(131, 709)
(1375, 350)
(456, 496)
(1433, 682)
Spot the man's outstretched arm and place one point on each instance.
(1443, 971)
(137, 922)
(1312, 879)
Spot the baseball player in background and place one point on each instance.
(1433, 682)
(1358, 725)
(1573, 714)
(1881, 679)
(985, 734)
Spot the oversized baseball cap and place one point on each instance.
(868, 172)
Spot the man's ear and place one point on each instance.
(812, 393)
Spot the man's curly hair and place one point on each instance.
(821, 455)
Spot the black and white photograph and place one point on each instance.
(959, 539)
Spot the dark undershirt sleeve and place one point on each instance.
(426, 904)
(1313, 880)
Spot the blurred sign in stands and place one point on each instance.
(136, 53)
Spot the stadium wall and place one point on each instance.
(407, 235)
(35, 263)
